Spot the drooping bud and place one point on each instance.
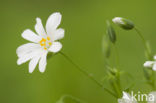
(123, 23)
(111, 32)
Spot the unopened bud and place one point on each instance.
(106, 48)
(113, 71)
(123, 23)
(111, 32)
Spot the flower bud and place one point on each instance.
(112, 71)
(123, 23)
(106, 48)
(111, 32)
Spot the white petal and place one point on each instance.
(43, 62)
(27, 48)
(154, 67)
(58, 34)
(53, 22)
(148, 64)
(28, 56)
(33, 63)
(31, 36)
(118, 20)
(39, 27)
(55, 47)
(155, 57)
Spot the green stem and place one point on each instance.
(87, 74)
(153, 80)
(117, 56)
(141, 36)
(144, 42)
(119, 85)
(148, 54)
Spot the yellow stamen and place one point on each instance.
(50, 43)
(48, 38)
(45, 48)
(43, 42)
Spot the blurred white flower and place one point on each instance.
(152, 97)
(126, 98)
(42, 42)
(118, 20)
(151, 64)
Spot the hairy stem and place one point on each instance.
(87, 74)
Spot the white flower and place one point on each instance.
(118, 20)
(126, 98)
(151, 64)
(42, 42)
(152, 97)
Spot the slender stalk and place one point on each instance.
(144, 42)
(153, 80)
(148, 54)
(141, 36)
(117, 56)
(87, 74)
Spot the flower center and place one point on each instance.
(45, 43)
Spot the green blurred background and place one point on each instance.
(85, 23)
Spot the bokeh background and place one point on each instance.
(85, 24)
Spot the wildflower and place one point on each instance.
(123, 23)
(42, 42)
(151, 64)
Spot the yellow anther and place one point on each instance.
(45, 48)
(50, 43)
(43, 42)
(48, 38)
